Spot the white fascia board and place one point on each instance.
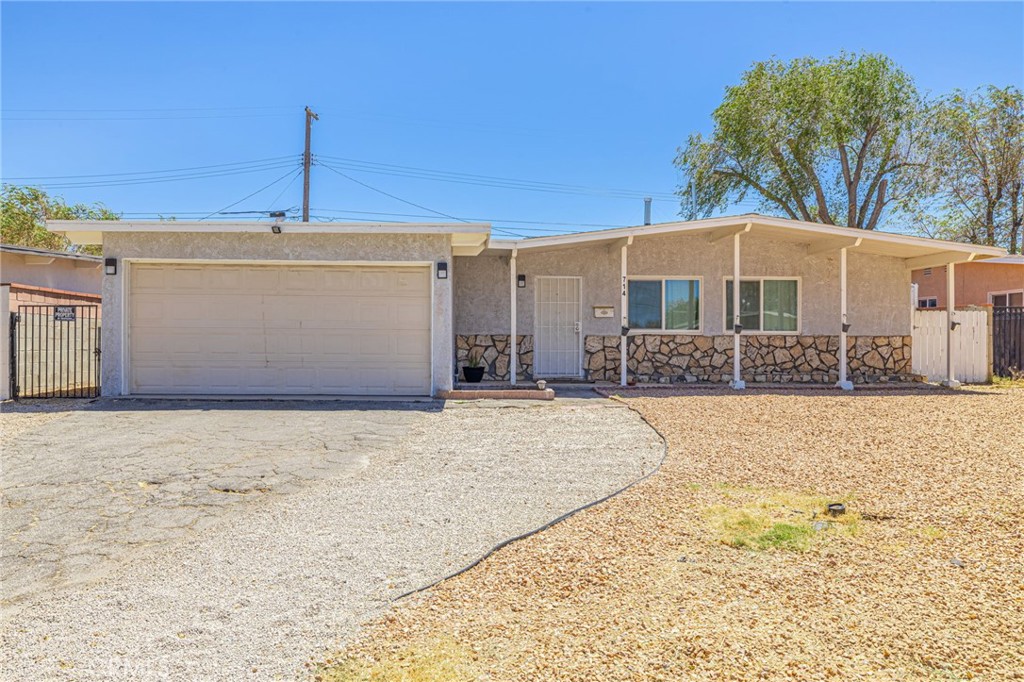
(69, 226)
(812, 229)
(91, 231)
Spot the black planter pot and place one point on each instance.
(473, 375)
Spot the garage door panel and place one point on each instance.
(250, 329)
(412, 314)
(302, 280)
(262, 279)
(222, 278)
(412, 345)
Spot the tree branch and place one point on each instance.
(879, 203)
(764, 191)
(787, 177)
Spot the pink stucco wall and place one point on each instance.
(972, 282)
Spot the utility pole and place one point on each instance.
(306, 162)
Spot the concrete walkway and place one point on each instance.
(241, 539)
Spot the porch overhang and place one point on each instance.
(817, 239)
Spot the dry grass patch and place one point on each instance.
(439, 660)
(783, 521)
(706, 571)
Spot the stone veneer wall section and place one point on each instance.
(493, 351)
(765, 358)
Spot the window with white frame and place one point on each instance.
(928, 302)
(1006, 299)
(767, 304)
(664, 304)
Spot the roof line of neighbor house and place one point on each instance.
(755, 219)
(32, 251)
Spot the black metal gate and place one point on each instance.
(1007, 341)
(55, 351)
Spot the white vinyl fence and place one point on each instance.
(970, 347)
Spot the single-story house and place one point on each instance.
(38, 277)
(998, 282)
(395, 309)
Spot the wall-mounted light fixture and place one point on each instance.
(442, 270)
(110, 266)
(737, 329)
(953, 325)
(521, 281)
(846, 327)
(275, 228)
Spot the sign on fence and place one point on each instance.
(970, 349)
(64, 313)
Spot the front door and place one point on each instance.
(558, 339)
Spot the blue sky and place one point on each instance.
(595, 96)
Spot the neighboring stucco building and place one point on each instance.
(49, 277)
(38, 277)
(396, 309)
(997, 282)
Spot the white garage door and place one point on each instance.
(281, 329)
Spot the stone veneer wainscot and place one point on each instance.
(493, 351)
(655, 358)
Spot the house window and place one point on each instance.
(929, 302)
(1006, 299)
(663, 304)
(766, 305)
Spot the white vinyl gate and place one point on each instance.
(558, 340)
(970, 348)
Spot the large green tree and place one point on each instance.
(24, 210)
(838, 141)
(978, 168)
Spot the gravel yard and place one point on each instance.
(725, 566)
(290, 576)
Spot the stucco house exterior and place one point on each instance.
(998, 282)
(397, 309)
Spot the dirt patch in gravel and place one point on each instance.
(922, 579)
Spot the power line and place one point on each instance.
(281, 194)
(328, 219)
(152, 172)
(100, 119)
(167, 178)
(486, 220)
(249, 196)
(491, 181)
(380, 191)
(153, 109)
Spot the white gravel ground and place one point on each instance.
(260, 594)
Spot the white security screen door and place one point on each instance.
(558, 339)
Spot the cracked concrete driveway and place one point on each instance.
(209, 541)
(119, 476)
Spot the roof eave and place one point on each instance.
(971, 251)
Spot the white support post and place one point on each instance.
(5, 340)
(951, 328)
(737, 381)
(624, 310)
(513, 345)
(844, 382)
